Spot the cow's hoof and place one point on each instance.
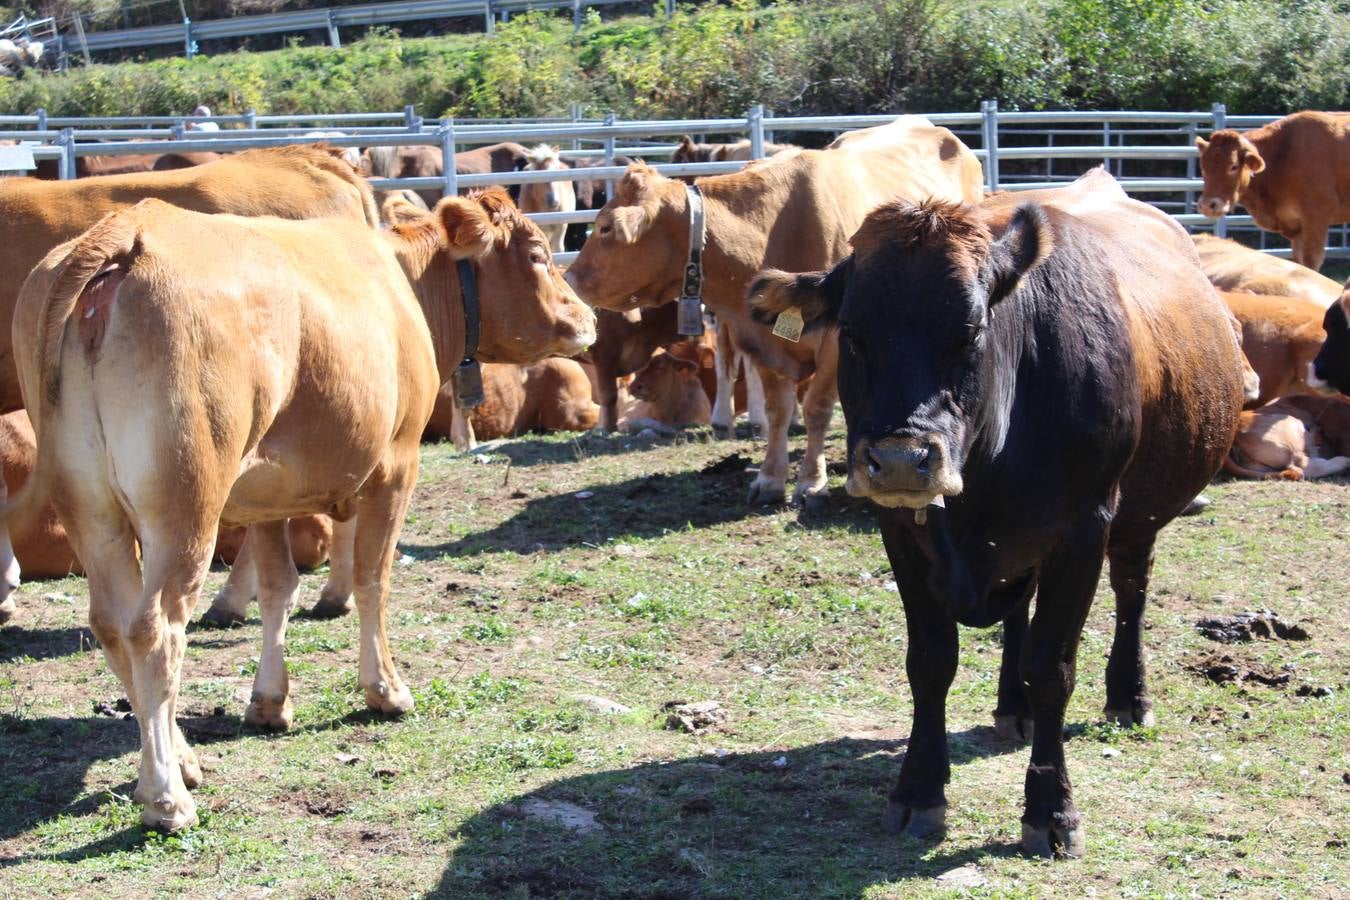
(332, 607)
(189, 768)
(1128, 718)
(916, 823)
(1051, 841)
(765, 493)
(7, 610)
(1014, 727)
(221, 617)
(269, 713)
(169, 814)
(1197, 506)
(389, 700)
(724, 432)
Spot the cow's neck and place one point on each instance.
(739, 222)
(434, 278)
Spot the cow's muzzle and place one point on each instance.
(1214, 207)
(908, 471)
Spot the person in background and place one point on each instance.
(202, 111)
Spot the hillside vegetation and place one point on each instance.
(837, 56)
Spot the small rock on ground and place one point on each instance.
(560, 812)
(603, 705)
(964, 876)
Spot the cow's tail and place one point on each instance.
(105, 252)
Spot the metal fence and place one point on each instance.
(188, 33)
(1152, 153)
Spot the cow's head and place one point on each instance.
(665, 376)
(1332, 365)
(635, 253)
(1227, 163)
(527, 311)
(913, 304)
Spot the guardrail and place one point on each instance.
(188, 33)
(1019, 150)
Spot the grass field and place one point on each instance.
(519, 594)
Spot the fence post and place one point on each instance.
(251, 120)
(609, 154)
(755, 122)
(989, 127)
(334, 39)
(447, 134)
(574, 111)
(769, 136)
(179, 130)
(1191, 132)
(189, 44)
(66, 168)
(1219, 112)
(489, 19)
(670, 8)
(41, 119)
(576, 15)
(410, 117)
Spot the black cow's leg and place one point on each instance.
(1127, 700)
(1012, 716)
(918, 804)
(1049, 667)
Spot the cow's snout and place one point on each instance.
(908, 471)
(1214, 207)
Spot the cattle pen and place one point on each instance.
(1152, 154)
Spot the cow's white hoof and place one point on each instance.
(766, 493)
(168, 813)
(391, 700)
(7, 610)
(916, 823)
(1014, 728)
(221, 617)
(269, 713)
(332, 606)
(1128, 718)
(1051, 841)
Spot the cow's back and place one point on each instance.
(1230, 266)
(1185, 352)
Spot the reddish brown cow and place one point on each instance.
(1293, 438)
(1292, 175)
(1280, 338)
(426, 162)
(552, 395)
(668, 392)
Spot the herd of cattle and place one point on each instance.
(1031, 382)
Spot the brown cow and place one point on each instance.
(1293, 438)
(249, 371)
(1231, 266)
(690, 152)
(668, 393)
(427, 162)
(550, 395)
(797, 210)
(1280, 339)
(1292, 175)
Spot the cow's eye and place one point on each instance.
(538, 256)
(1233, 168)
(606, 230)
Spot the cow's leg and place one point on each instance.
(1321, 468)
(1309, 244)
(607, 395)
(230, 605)
(278, 588)
(1049, 660)
(335, 599)
(818, 407)
(917, 806)
(754, 397)
(770, 485)
(9, 568)
(383, 506)
(461, 429)
(725, 360)
(1127, 700)
(1012, 716)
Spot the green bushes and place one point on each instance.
(817, 56)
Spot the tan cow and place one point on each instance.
(428, 162)
(550, 395)
(1292, 175)
(796, 210)
(1293, 438)
(1280, 339)
(250, 371)
(549, 196)
(290, 182)
(669, 393)
(1231, 266)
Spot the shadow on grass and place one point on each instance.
(43, 763)
(18, 642)
(798, 823)
(645, 506)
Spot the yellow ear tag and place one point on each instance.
(788, 325)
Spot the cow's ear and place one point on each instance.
(816, 296)
(399, 210)
(630, 223)
(686, 146)
(1024, 245)
(467, 226)
(498, 204)
(686, 367)
(1251, 157)
(1201, 144)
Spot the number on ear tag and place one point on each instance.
(789, 325)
